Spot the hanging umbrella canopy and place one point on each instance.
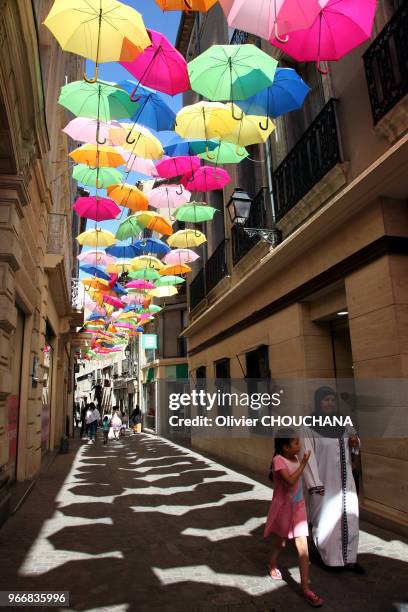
(251, 129)
(146, 261)
(287, 93)
(268, 18)
(95, 271)
(170, 196)
(176, 146)
(195, 212)
(128, 195)
(185, 239)
(138, 140)
(96, 258)
(169, 279)
(151, 246)
(85, 129)
(163, 291)
(134, 300)
(160, 67)
(113, 301)
(133, 163)
(180, 256)
(175, 269)
(225, 153)
(152, 309)
(339, 27)
(123, 251)
(154, 221)
(139, 284)
(96, 237)
(100, 100)
(152, 111)
(231, 72)
(147, 274)
(205, 120)
(97, 155)
(206, 179)
(96, 177)
(96, 208)
(95, 283)
(186, 5)
(119, 266)
(128, 228)
(177, 166)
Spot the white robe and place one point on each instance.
(334, 515)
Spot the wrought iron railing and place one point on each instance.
(239, 37)
(197, 289)
(216, 266)
(386, 64)
(241, 242)
(77, 294)
(317, 152)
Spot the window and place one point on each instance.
(223, 383)
(258, 377)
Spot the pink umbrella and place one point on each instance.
(134, 299)
(180, 256)
(171, 196)
(96, 208)
(265, 18)
(138, 164)
(340, 26)
(139, 284)
(176, 166)
(84, 129)
(124, 325)
(144, 315)
(109, 299)
(160, 67)
(206, 179)
(99, 258)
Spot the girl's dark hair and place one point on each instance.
(283, 438)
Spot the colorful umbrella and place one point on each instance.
(96, 177)
(340, 26)
(128, 228)
(152, 111)
(95, 271)
(99, 258)
(138, 164)
(175, 269)
(151, 246)
(160, 66)
(139, 284)
(95, 283)
(96, 208)
(186, 5)
(97, 155)
(175, 146)
(206, 179)
(152, 309)
(169, 279)
(180, 256)
(205, 120)
(185, 239)
(231, 72)
(96, 237)
(99, 100)
(177, 166)
(171, 196)
(120, 266)
(250, 130)
(128, 195)
(123, 251)
(113, 301)
(146, 274)
(154, 221)
(195, 212)
(163, 291)
(85, 129)
(146, 261)
(225, 153)
(138, 140)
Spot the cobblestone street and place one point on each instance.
(144, 524)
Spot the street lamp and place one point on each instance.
(127, 351)
(239, 206)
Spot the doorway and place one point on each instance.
(13, 400)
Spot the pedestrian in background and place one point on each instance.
(93, 417)
(116, 424)
(105, 428)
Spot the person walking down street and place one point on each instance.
(287, 512)
(116, 424)
(84, 429)
(135, 420)
(93, 417)
(330, 491)
(105, 428)
(125, 420)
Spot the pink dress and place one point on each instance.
(287, 511)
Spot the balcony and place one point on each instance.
(239, 37)
(197, 289)
(314, 155)
(241, 242)
(386, 65)
(216, 266)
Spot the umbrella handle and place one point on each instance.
(132, 95)
(207, 152)
(128, 138)
(320, 67)
(264, 127)
(233, 115)
(237, 151)
(101, 142)
(180, 192)
(188, 5)
(281, 39)
(95, 76)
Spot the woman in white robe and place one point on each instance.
(330, 491)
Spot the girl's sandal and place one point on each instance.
(312, 599)
(274, 573)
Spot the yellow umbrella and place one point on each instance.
(137, 139)
(129, 196)
(186, 5)
(154, 221)
(100, 30)
(205, 120)
(120, 266)
(248, 130)
(167, 291)
(185, 239)
(96, 237)
(95, 283)
(97, 155)
(146, 261)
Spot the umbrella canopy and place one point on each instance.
(340, 26)
(96, 208)
(176, 166)
(195, 212)
(128, 228)
(146, 274)
(231, 72)
(97, 155)
(139, 284)
(96, 258)
(154, 221)
(151, 246)
(171, 196)
(95, 283)
(205, 120)
(100, 100)
(287, 93)
(128, 195)
(96, 177)
(163, 291)
(160, 67)
(96, 237)
(112, 301)
(123, 251)
(250, 130)
(186, 5)
(133, 300)
(95, 271)
(185, 239)
(138, 140)
(206, 179)
(152, 309)
(119, 266)
(152, 110)
(138, 164)
(225, 153)
(175, 269)
(169, 279)
(85, 129)
(174, 145)
(180, 256)
(146, 261)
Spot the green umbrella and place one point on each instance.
(147, 274)
(128, 228)
(96, 177)
(225, 153)
(98, 100)
(231, 72)
(194, 212)
(169, 279)
(152, 309)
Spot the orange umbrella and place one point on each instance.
(97, 155)
(175, 269)
(186, 5)
(129, 196)
(154, 221)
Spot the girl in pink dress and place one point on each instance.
(287, 513)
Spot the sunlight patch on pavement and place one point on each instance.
(226, 533)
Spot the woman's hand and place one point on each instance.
(305, 458)
(354, 442)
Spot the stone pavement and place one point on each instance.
(146, 525)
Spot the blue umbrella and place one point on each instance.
(123, 251)
(140, 329)
(152, 110)
(119, 289)
(151, 246)
(173, 145)
(95, 271)
(287, 93)
(94, 317)
(134, 307)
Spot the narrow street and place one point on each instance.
(144, 524)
